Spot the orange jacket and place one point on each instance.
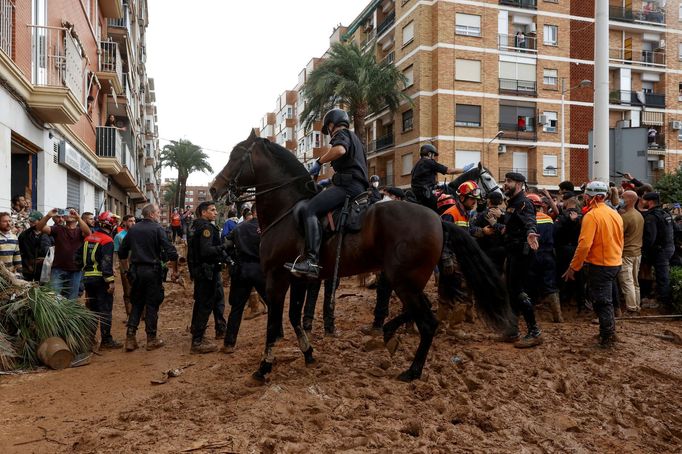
(460, 217)
(601, 238)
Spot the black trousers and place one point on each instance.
(384, 291)
(312, 293)
(600, 281)
(250, 276)
(209, 298)
(518, 264)
(542, 276)
(146, 293)
(332, 198)
(661, 264)
(101, 302)
(576, 287)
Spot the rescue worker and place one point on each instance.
(424, 175)
(542, 279)
(142, 251)
(347, 157)
(601, 247)
(247, 274)
(566, 234)
(521, 241)
(96, 258)
(658, 245)
(206, 259)
(374, 193)
(490, 239)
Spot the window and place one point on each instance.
(407, 164)
(550, 76)
(467, 115)
(549, 165)
(389, 172)
(409, 76)
(551, 35)
(550, 122)
(408, 33)
(464, 157)
(316, 140)
(190, 192)
(468, 70)
(407, 120)
(467, 24)
(679, 52)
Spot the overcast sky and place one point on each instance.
(218, 66)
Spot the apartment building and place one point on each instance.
(66, 67)
(193, 197)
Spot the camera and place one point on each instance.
(62, 212)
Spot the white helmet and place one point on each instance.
(595, 188)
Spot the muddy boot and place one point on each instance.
(154, 342)
(555, 307)
(372, 330)
(203, 346)
(131, 341)
(533, 338)
(110, 344)
(308, 267)
(227, 349)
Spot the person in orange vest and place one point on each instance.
(542, 277)
(176, 224)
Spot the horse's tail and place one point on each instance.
(491, 300)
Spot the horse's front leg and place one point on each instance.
(276, 286)
(298, 293)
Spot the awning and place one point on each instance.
(652, 118)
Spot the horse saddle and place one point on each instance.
(330, 222)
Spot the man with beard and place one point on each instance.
(34, 245)
(521, 241)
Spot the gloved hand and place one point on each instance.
(469, 166)
(324, 183)
(315, 168)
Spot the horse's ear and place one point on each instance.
(480, 166)
(254, 133)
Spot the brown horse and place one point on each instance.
(402, 239)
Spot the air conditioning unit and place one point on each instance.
(501, 149)
(661, 164)
(542, 120)
(661, 44)
(676, 125)
(532, 28)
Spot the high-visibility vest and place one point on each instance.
(91, 265)
(460, 216)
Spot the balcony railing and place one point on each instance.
(56, 59)
(643, 57)
(517, 131)
(109, 143)
(110, 58)
(388, 59)
(530, 4)
(519, 87)
(657, 142)
(369, 38)
(384, 142)
(386, 24)
(6, 26)
(530, 174)
(120, 22)
(653, 16)
(632, 98)
(517, 43)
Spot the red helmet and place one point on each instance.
(445, 201)
(106, 219)
(469, 189)
(537, 201)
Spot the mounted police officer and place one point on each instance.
(347, 157)
(521, 240)
(146, 246)
(205, 256)
(424, 175)
(658, 245)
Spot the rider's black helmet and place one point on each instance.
(337, 116)
(373, 178)
(425, 150)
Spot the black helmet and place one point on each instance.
(427, 149)
(336, 116)
(373, 178)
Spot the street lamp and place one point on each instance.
(487, 147)
(564, 90)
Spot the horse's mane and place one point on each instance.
(287, 160)
(471, 174)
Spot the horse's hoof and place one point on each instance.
(392, 345)
(409, 375)
(257, 379)
(308, 355)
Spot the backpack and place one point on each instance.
(175, 220)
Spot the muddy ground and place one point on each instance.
(476, 395)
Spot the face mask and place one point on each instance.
(375, 184)
(621, 205)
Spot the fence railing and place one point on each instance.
(121, 22)
(530, 174)
(643, 57)
(517, 43)
(520, 87)
(109, 142)
(386, 23)
(110, 58)
(6, 26)
(654, 15)
(518, 131)
(530, 4)
(632, 98)
(56, 58)
(388, 59)
(384, 141)
(369, 38)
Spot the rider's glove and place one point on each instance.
(315, 168)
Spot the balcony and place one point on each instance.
(121, 22)
(369, 39)
(651, 16)
(518, 87)
(111, 8)
(528, 4)
(386, 24)
(110, 67)
(57, 75)
(633, 98)
(519, 131)
(518, 43)
(637, 57)
(656, 143)
(110, 149)
(530, 174)
(388, 59)
(6, 26)
(384, 142)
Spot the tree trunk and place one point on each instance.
(359, 124)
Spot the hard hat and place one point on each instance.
(427, 149)
(537, 201)
(595, 188)
(469, 189)
(106, 219)
(444, 201)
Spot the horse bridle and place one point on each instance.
(488, 190)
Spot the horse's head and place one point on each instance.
(238, 174)
(487, 182)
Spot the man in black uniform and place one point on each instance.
(374, 193)
(247, 274)
(490, 237)
(205, 259)
(347, 157)
(145, 247)
(658, 245)
(424, 175)
(521, 240)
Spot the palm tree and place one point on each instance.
(170, 195)
(187, 158)
(353, 79)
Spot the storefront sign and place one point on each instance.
(74, 160)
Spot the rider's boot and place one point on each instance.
(309, 267)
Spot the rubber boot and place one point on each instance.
(555, 307)
(309, 267)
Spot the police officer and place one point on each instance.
(206, 258)
(96, 258)
(142, 251)
(658, 245)
(374, 193)
(424, 175)
(347, 157)
(521, 240)
(490, 237)
(247, 274)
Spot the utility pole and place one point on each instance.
(599, 167)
